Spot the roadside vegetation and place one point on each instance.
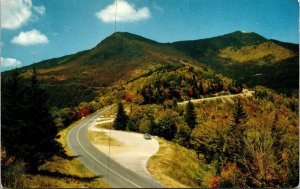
(240, 148)
(178, 167)
(243, 142)
(55, 167)
(62, 172)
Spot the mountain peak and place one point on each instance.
(128, 36)
(246, 37)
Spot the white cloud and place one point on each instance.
(10, 62)
(32, 37)
(125, 12)
(40, 9)
(15, 13)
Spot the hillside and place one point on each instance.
(118, 59)
(123, 57)
(249, 58)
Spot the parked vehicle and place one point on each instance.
(147, 136)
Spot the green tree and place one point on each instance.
(207, 138)
(190, 115)
(33, 130)
(234, 140)
(12, 112)
(239, 113)
(41, 130)
(121, 119)
(147, 125)
(134, 121)
(183, 135)
(166, 124)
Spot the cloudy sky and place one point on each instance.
(35, 30)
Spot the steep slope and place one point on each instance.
(249, 58)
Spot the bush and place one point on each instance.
(12, 172)
(166, 124)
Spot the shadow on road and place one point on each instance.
(62, 175)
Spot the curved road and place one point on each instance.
(246, 94)
(99, 163)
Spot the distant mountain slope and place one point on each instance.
(211, 46)
(116, 60)
(123, 57)
(249, 58)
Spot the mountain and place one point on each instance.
(124, 57)
(113, 62)
(210, 46)
(249, 58)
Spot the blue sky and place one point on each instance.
(35, 30)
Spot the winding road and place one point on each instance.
(99, 163)
(244, 94)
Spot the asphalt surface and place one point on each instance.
(99, 163)
(247, 94)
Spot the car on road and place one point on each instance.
(147, 136)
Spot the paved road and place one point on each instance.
(247, 94)
(99, 163)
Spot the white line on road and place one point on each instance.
(98, 160)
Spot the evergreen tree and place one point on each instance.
(152, 125)
(174, 104)
(190, 115)
(41, 127)
(12, 112)
(30, 133)
(235, 135)
(121, 119)
(239, 113)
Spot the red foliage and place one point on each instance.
(190, 91)
(85, 111)
(128, 98)
(282, 110)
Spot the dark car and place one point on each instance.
(147, 136)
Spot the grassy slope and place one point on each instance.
(64, 173)
(178, 167)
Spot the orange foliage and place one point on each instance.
(214, 182)
(225, 88)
